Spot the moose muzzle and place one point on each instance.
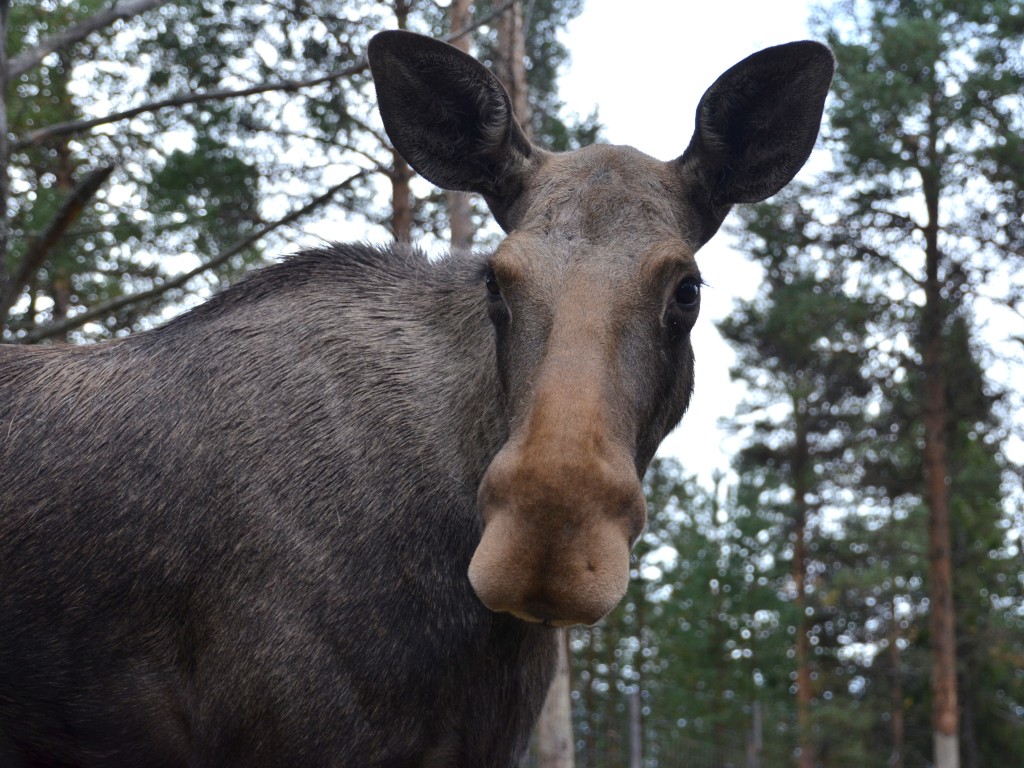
(560, 520)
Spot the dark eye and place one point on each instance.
(688, 293)
(493, 289)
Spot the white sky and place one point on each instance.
(645, 65)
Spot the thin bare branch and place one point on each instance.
(23, 62)
(908, 222)
(354, 68)
(69, 211)
(148, 296)
(886, 258)
(78, 126)
(362, 125)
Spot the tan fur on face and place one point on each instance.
(561, 502)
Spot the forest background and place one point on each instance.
(848, 589)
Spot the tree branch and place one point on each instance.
(56, 329)
(886, 258)
(23, 62)
(223, 94)
(70, 209)
(359, 65)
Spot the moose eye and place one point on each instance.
(688, 293)
(493, 289)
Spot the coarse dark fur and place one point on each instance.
(304, 448)
(266, 533)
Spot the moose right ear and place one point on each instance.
(755, 128)
(450, 118)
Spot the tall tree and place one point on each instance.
(941, 84)
(799, 347)
(988, 590)
(926, 197)
(460, 214)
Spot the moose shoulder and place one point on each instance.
(331, 516)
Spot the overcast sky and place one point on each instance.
(645, 64)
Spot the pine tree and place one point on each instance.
(925, 198)
(799, 349)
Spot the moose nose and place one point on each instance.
(557, 535)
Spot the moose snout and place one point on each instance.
(558, 530)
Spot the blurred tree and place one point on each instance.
(800, 350)
(989, 590)
(926, 198)
(196, 175)
(928, 192)
(155, 159)
(697, 642)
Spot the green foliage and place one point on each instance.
(926, 98)
(202, 177)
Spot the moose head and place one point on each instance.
(592, 296)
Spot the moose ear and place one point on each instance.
(450, 118)
(755, 128)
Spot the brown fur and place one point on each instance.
(243, 539)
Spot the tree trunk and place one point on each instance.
(590, 704)
(803, 667)
(613, 721)
(636, 745)
(460, 219)
(896, 698)
(755, 741)
(401, 200)
(510, 64)
(636, 710)
(554, 728)
(945, 717)
(6, 300)
(799, 575)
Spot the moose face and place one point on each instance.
(592, 296)
(592, 313)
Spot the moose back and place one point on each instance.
(332, 517)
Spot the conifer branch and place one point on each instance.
(43, 135)
(148, 296)
(28, 60)
(38, 249)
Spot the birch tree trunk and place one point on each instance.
(554, 728)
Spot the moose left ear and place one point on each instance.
(450, 118)
(755, 128)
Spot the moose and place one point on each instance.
(334, 516)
